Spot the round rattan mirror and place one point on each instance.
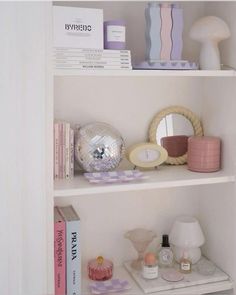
(171, 128)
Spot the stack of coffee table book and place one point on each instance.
(92, 59)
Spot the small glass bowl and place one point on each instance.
(100, 269)
(206, 267)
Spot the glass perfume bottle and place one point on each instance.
(150, 267)
(185, 263)
(165, 255)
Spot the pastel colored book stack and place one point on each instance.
(82, 59)
(59, 253)
(63, 150)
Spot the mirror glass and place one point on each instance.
(173, 132)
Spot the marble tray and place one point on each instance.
(159, 284)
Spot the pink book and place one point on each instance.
(166, 28)
(71, 152)
(67, 150)
(59, 253)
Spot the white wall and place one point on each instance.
(129, 104)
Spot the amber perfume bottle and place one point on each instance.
(185, 263)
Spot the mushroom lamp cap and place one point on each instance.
(210, 28)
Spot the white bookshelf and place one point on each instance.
(128, 99)
(32, 96)
(164, 177)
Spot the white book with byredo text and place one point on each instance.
(76, 27)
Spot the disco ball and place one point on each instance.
(98, 147)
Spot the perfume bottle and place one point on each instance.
(166, 256)
(185, 263)
(150, 267)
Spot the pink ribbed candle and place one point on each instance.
(204, 153)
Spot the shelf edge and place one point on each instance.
(140, 186)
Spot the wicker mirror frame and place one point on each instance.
(194, 120)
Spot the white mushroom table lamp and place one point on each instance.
(209, 31)
(186, 235)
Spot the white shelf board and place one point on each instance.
(164, 177)
(145, 73)
(121, 273)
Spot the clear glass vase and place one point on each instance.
(140, 239)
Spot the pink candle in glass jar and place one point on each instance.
(204, 153)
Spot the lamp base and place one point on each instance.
(194, 253)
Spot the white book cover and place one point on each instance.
(93, 67)
(91, 58)
(67, 50)
(77, 27)
(94, 63)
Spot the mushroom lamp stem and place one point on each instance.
(209, 31)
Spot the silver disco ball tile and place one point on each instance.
(98, 147)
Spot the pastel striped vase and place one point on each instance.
(153, 31)
(177, 32)
(166, 28)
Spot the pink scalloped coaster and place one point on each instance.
(172, 275)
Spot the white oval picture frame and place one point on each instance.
(135, 151)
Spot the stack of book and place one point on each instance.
(75, 58)
(63, 150)
(67, 251)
